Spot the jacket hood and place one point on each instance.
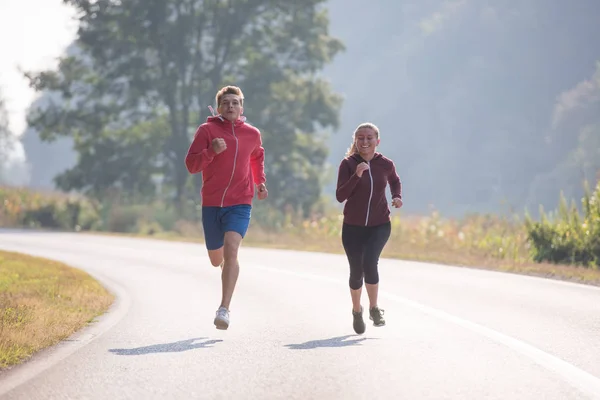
(359, 159)
(218, 118)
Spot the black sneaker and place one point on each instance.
(376, 315)
(359, 323)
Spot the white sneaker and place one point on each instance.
(222, 318)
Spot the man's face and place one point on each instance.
(230, 107)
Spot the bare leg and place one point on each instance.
(372, 291)
(355, 294)
(231, 267)
(216, 257)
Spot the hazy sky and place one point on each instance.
(33, 33)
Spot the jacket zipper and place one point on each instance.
(370, 195)
(234, 162)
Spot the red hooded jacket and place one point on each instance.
(228, 178)
(366, 204)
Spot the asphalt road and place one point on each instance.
(452, 333)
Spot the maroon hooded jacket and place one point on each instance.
(365, 197)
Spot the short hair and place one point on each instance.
(229, 90)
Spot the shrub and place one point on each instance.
(568, 237)
(36, 209)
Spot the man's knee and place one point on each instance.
(232, 240)
(216, 256)
(232, 245)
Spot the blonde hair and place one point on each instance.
(353, 149)
(229, 90)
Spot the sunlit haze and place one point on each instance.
(33, 33)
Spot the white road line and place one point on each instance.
(582, 380)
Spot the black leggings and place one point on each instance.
(363, 246)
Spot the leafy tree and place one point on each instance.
(145, 60)
(123, 160)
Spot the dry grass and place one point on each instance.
(436, 251)
(483, 242)
(41, 303)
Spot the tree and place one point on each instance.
(143, 60)
(575, 142)
(124, 160)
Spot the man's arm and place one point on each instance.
(200, 153)
(346, 182)
(257, 164)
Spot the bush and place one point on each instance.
(568, 238)
(36, 209)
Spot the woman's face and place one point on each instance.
(366, 141)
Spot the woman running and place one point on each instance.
(363, 177)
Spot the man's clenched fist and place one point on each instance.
(219, 145)
(262, 191)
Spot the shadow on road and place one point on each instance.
(339, 341)
(183, 345)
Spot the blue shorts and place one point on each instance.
(218, 220)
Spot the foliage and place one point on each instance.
(569, 237)
(486, 241)
(141, 64)
(429, 237)
(124, 160)
(27, 208)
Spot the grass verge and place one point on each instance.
(485, 241)
(481, 251)
(41, 303)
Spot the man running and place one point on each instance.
(229, 153)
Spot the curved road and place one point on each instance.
(452, 333)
